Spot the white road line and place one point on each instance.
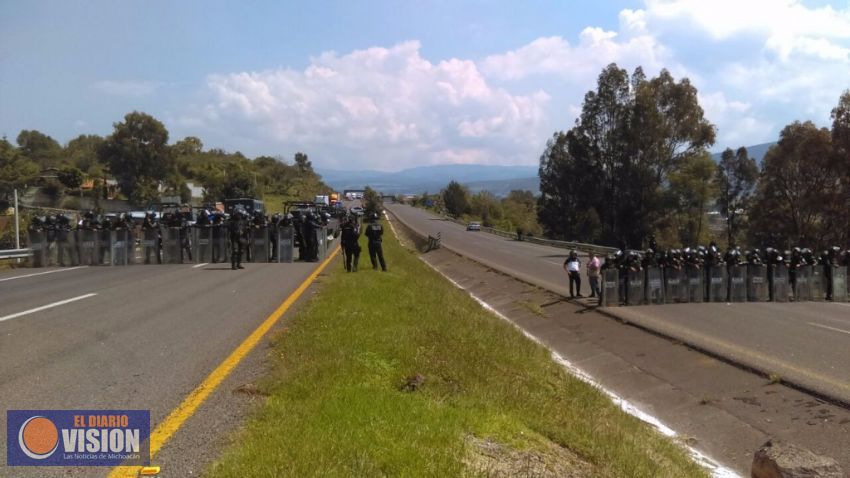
(199, 265)
(48, 306)
(42, 273)
(829, 328)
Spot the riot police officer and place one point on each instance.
(218, 239)
(310, 225)
(63, 239)
(350, 243)
(236, 231)
(274, 223)
(374, 233)
(152, 238)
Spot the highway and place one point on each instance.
(139, 337)
(807, 344)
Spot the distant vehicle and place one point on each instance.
(322, 199)
(249, 204)
(357, 211)
(358, 195)
(473, 226)
(334, 198)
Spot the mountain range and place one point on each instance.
(499, 180)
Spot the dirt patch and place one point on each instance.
(496, 460)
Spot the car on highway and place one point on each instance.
(357, 211)
(473, 226)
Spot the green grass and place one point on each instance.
(336, 405)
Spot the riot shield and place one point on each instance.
(104, 247)
(321, 242)
(87, 246)
(757, 283)
(654, 286)
(66, 248)
(634, 288)
(818, 283)
(737, 283)
(778, 281)
(218, 249)
(151, 246)
(259, 244)
(696, 290)
(610, 288)
(38, 245)
(122, 247)
(802, 286)
(172, 245)
(285, 244)
(839, 284)
(674, 286)
(202, 244)
(717, 290)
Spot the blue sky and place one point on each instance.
(388, 85)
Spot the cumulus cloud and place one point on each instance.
(390, 108)
(788, 26)
(632, 46)
(385, 107)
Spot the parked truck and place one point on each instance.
(322, 199)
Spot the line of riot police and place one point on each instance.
(171, 239)
(703, 274)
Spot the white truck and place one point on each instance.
(322, 199)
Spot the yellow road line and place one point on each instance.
(165, 430)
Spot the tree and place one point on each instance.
(138, 155)
(456, 199)
(39, 147)
(16, 172)
(604, 179)
(736, 178)
(372, 202)
(841, 126)
(841, 144)
(799, 181)
(188, 146)
(486, 206)
(82, 152)
(692, 189)
(70, 177)
(302, 163)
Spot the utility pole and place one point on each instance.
(17, 223)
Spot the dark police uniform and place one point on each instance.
(376, 251)
(236, 231)
(350, 245)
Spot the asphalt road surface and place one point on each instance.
(138, 337)
(807, 344)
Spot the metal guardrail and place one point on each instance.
(15, 253)
(579, 246)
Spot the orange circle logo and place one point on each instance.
(38, 438)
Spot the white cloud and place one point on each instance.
(385, 107)
(787, 26)
(126, 88)
(737, 124)
(633, 46)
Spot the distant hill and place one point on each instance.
(497, 179)
(756, 152)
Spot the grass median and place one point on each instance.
(403, 374)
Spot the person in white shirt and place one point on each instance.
(573, 266)
(593, 267)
